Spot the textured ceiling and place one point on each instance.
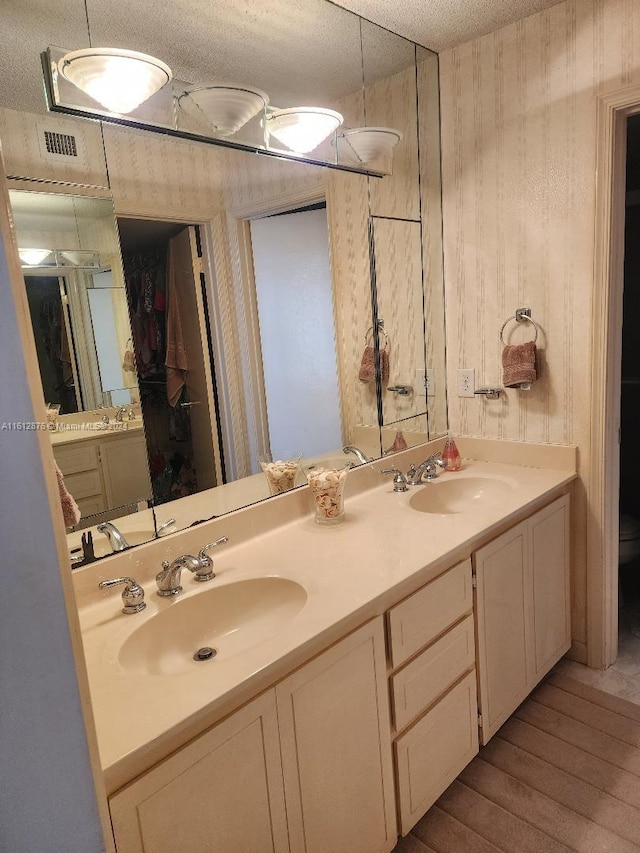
(439, 24)
(295, 50)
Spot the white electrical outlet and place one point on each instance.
(430, 381)
(466, 382)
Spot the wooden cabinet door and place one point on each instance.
(220, 794)
(522, 610)
(503, 626)
(551, 611)
(125, 469)
(336, 749)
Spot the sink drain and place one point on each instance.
(205, 653)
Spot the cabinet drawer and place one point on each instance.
(420, 682)
(419, 619)
(84, 485)
(431, 753)
(73, 459)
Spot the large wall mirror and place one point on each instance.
(254, 286)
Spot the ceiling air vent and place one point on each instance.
(60, 143)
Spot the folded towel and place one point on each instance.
(518, 364)
(70, 510)
(367, 372)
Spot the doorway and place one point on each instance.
(294, 298)
(167, 303)
(48, 309)
(629, 495)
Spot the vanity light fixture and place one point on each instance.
(119, 80)
(224, 107)
(366, 144)
(56, 258)
(33, 257)
(302, 128)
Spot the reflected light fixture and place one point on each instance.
(119, 80)
(225, 107)
(302, 128)
(33, 257)
(365, 144)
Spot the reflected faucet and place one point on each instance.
(360, 456)
(116, 539)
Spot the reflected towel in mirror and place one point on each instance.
(367, 372)
(70, 509)
(176, 358)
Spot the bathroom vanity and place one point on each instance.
(104, 462)
(402, 639)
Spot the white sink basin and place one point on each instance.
(230, 619)
(467, 494)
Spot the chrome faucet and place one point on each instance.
(399, 480)
(120, 413)
(360, 456)
(425, 471)
(168, 580)
(116, 539)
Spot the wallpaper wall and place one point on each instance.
(519, 137)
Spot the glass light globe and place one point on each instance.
(303, 128)
(33, 257)
(119, 80)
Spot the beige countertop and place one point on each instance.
(351, 572)
(91, 430)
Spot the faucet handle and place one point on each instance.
(399, 480)
(205, 573)
(163, 528)
(132, 594)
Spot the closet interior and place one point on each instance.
(145, 246)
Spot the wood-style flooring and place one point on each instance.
(562, 774)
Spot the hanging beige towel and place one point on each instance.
(518, 364)
(70, 510)
(176, 358)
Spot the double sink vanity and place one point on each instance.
(356, 668)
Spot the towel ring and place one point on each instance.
(522, 315)
(380, 329)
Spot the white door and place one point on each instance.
(201, 401)
(297, 332)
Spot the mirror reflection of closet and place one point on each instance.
(168, 314)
